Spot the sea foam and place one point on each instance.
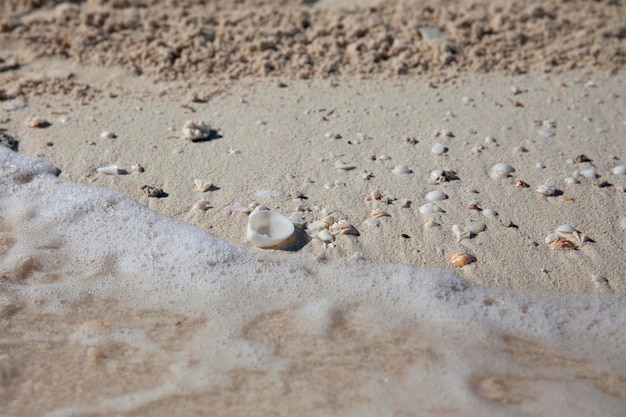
(281, 332)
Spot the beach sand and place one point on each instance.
(313, 109)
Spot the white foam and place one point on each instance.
(408, 339)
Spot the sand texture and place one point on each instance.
(355, 110)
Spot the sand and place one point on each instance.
(290, 89)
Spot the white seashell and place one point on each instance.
(201, 205)
(439, 148)
(501, 170)
(297, 219)
(401, 170)
(548, 189)
(269, 193)
(329, 185)
(589, 173)
(327, 210)
(547, 133)
(598, 278)
(460, 233)
(572, 180)
(110, 170)
(436, 174)
(430, 224)
(551, 237)
(107, 135)
(238, 208)
(476, 228)
(490, 140)
(339, 164)
(403, 202)
(316, 226)
(325, 236)
(196, 130)
(566, 229)
(383, 157)
(619, 170)
(328, 220)
(489, 212)
(430, 208)
(202, 185)
(540, 165)
(436, 195)
(267, 228)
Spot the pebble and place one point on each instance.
(439, 149)
(467, 100)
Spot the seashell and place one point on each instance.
(342, 227)
(589, 173)
(540, 165)
(619, 170)
(328, 220)
(436, 195)
(110, 170)
(201, 205)
(297, 219)
(476, 228)
(383, 157)
(599, 279)
(462, 259)
(327, 211)
(561, 244)
(441, 175)
(439, 149)
(107, 135)
(430, 208)
(365, 175)
(460, 233)
(473, 205)
(436, 174)
(572, 180)
(261, 207)
(375, 195)
(195, 130)
(202, 185)
(238, 208)
(501, 170)
(339, 164)
(430, 224)
(269, 193)
(325, 236)
(548, 189)
(267, 228)
(403, 202)
(401, 170)
(317, 226)
(490, 140)
(379, 214)
(547, 133)
(578, 238)
(329, 185)
(489, 212)
(565, 229)
(387, 197)
(551, 237)
(37, 122)
(520, 184)
(372, 222)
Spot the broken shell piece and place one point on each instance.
(339, 164)
(501, 170)
(342, 227)
(37, 122)
(195, 130)
(562, 244)
(462, 259)
(430, 224)
(379, 214)
(325, 236)
(430, 208)
(441, 175)
(572, 180)
(436, 195)
(151, 191)
(566, 229)
(551, 237)
(460, 233)
(267, 228)
(201, 205)
(374, 195)
(238, 208)
(107, 135)
(202, 185)
(548, 189)
(476, 228)
(372, 222)
(297, 219)
(439, 149)
(110, 170)
(520, 183)
(317, 226)
(590, 173)
(489, 212)
(401, 170)
(619, 170)
(403, 202)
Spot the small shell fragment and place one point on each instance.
(462, 259)
(501, 170)
(201, 205)
(551, 237)
(520, 183)
(546, 133)
(436, 195)
(402, 170)
(195, 130)
(430, 208)
(572, 180)
(379, 214)
(297, 219)
(489, 212)
(37, 122)
(339, 164)
(477, 227)
(439, 149)
(317, 226)
(460, 233)
(566, 229)
(562, 244)
(202, 185)
(342, 227)
(619, 170)
(325, 236)
(589, 173)
(107, 135)
(110, 170)
(238, 208)
(548, 189)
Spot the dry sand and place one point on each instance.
(290, 88)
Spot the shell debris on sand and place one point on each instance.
(402, 170)
(436, 195)
(37, 122)
(195, 130)
(439, 149)
(379, 214)
(548, 189)
(462, 259)
(107, 135)
(110, 170)
(430, 208)
(268, 228)
(202, 185)
(501, 170)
